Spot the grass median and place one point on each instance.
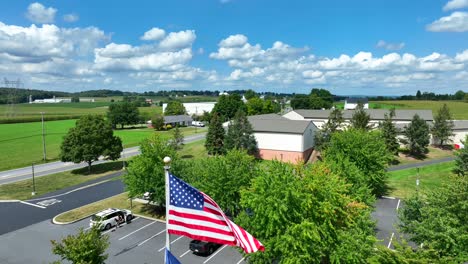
(22, 190)
(402, 183)
(120, 201)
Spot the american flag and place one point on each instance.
(194, 214)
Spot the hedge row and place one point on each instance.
(37, 119)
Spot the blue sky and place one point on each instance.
(372, 47)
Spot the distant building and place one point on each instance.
(53, 100)
(181, 120)
(149, 101)
(195, 108)
(352, 103)
(460, 131)
(223, 93)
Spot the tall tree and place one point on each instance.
(323, 136)
(91, 138)
(177, 138)
(461, 159)
(228, 105)
(214, 143)
(300, 101)
(222, 177)
(145, 171)
(367, 151)
(459, 95)
(418, 95)
(437, 220)
(85, 247)
(360, 118)
(158, 122)
(389, 132)
(249, 94)
(123, 113)
(270, 106)
(442, 129)
(305, 216)
(254, 106)
(240, 135)
(175, 108)
(417, 135)
(320, 98)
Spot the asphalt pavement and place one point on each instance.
(420, 164)
(58, 166)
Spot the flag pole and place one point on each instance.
(167, 162)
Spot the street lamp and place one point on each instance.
(34, 183)
(43, 138)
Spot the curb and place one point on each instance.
(76, 220)
(10, 201)
(150, 218)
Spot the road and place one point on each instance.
(420, 164)
(58, 166)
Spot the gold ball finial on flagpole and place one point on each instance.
(167, 160)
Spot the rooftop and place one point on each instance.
(277, 124)
(354, 100)
(375, 114)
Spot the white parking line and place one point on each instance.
(137, 230)
(172, 242)
(398, 205)
(151, 237)
(23, 202)
(390, 242)
(242, 259)
(186, 252)
(214, 254)
(114, 229)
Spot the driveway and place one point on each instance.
(141, 241)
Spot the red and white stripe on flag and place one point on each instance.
(194, 214)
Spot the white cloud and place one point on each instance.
(70, 18)
(178, 40)
(390, 46)
(456, 22)
(462, 57)
(455, 4)
(233, 41)
(38, 13)
(154, 34)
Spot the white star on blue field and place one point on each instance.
(367, 47)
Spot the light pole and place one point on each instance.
(34, 183)
(43, 137)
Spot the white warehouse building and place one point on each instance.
(195, 108)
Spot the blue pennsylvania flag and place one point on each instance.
(170, 259)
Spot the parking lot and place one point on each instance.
(141, 241)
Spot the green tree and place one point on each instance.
(323, 136)
(123, 113)
(206, 117)
(442, 130)
(367, 151)
(459, 95)
(86, 247)
(438, 218)
(228, 105)
(254, 106)
(389, 132)
(418, 95)
(466, 98)
(360, 118)
(300, 101)
(214, 143)
(461, 159)
(158, 122)
(175, 108)
(417, 135)
(177, 138)
(222, 177)
(305, 216)
(249, 94)
(270, 106)
(240, 135)
(91, 138)
(145, 171)
(320, 98)
(75, 99)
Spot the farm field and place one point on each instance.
(402, 183)
(21, 143)
(458, 109)
(32, 112)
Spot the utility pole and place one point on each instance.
(34, 183)
(43, 137)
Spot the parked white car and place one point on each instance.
(198, 124)
(109, 217)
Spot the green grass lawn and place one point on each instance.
(120, 201)
(434, 153)
(402, 183)
(32, 112)
(21, 143)
(195, 150)
(22, 190)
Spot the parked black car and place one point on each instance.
(203, 247)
